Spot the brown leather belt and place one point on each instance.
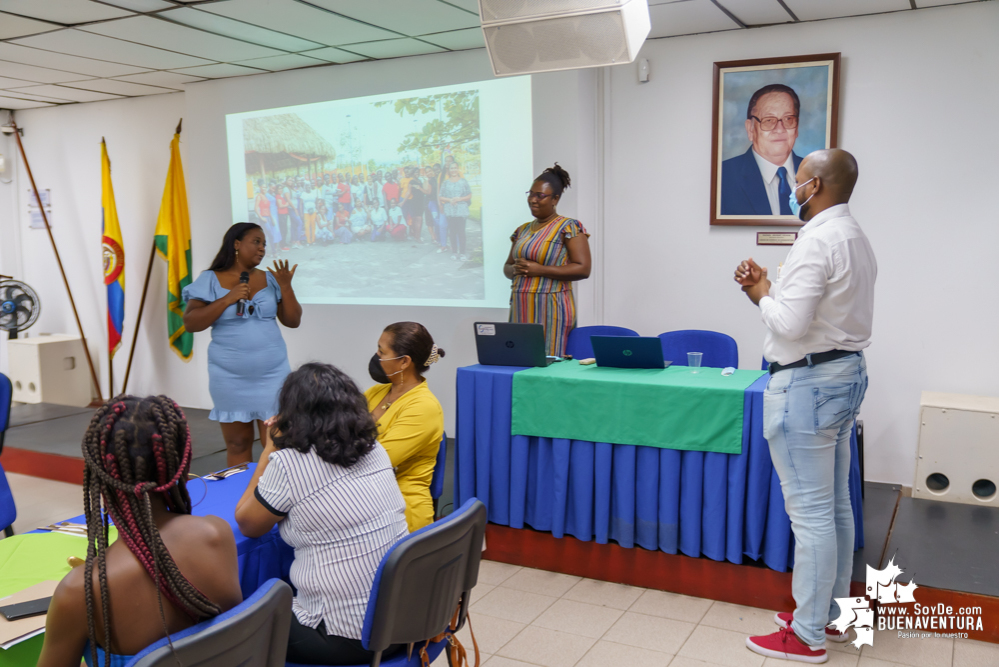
(811, 360)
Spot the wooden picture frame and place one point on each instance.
(740, 148)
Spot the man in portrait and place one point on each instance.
(760, 181)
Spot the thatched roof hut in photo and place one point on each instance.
(284, 141)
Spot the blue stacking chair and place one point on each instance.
(579, 345)
(254, 633)
(8, 510)
(720, 350)
(437, 483)
(420, 582)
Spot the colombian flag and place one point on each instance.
(173, 244)
(114, 256)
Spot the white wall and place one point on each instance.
(63, 147)
(919, 90)
(918, 98)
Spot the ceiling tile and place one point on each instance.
(222, 25)
(922, 4)
(164, 79)
(299, 19)
(687, 18)
(409, 17)
(332, 55)
(457, 40)
(81, 66)
(117, 87)
(278, 63)
(470, 5)
(7, 82)
(218, 71)
(89, 45)
(16, 26)
(394, 48)
(166, 35)
(19, 92)
(36, 74)
(810, 10)
(140, 5)
(73, 94)
(66, 12)
(15, 103)
(757, 12)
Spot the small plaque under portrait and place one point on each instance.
(775, 238)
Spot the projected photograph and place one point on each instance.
(768, 115)
(380, 199)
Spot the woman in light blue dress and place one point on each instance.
(247, 358)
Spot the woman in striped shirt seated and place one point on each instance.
(330, 486)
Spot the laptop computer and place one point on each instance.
(628, 352)
(511, 344)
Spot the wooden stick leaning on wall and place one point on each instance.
(138, 319)
(62, 271)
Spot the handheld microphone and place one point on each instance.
(244, 278)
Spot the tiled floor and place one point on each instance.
(525, 617)
(533, 617)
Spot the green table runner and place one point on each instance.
(673, 408)
(26, 560)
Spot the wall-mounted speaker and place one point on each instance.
(526, 36)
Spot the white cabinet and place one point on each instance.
(957, 459)
(49, 369)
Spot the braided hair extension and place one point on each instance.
(132, 448)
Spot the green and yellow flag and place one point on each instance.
(173, 244)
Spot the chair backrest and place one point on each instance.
(422, 578)
(254, 633)
(8, 510)
(579, 345)
(437, 483)
(6, 395)
(766, 364)
(720, 350)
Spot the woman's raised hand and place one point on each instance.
(282, 274)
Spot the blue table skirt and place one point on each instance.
(260, 558)
(723, 506)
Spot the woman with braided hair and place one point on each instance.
(409, 417)
(168, 570)
(547, 255)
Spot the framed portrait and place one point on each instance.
(768, 114)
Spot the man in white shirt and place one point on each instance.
(760, 181)
(819, 313)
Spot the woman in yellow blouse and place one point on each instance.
(409, 417)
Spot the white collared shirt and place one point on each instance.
(770, 179)
(823, 296)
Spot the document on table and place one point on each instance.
(23, 629)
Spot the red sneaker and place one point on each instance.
(786, 645)
(783, 619)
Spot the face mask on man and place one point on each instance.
(793, 200)
(376, 371)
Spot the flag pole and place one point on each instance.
(48, 228)
(142, 303)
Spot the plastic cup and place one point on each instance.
(694, 360)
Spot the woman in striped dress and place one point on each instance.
(547, 255)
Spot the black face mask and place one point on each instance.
(376, 371)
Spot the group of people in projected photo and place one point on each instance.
(407, 202)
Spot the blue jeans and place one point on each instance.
(808, 415)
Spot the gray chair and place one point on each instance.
(254, 633)
(420, 583)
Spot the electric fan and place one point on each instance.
(19, 307)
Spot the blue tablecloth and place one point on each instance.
(723, 506)
(260, 558)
